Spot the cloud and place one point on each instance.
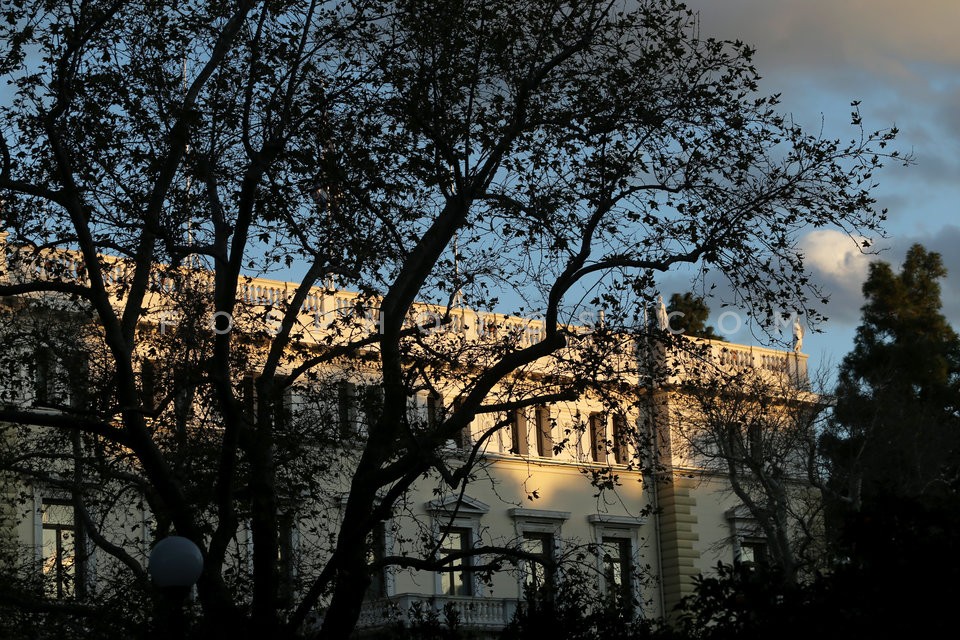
(838, 265)
(879, 36)
(840, 268)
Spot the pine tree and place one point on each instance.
(896, 421)
(894, 448)
(691, 313)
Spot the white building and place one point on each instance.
(646, 535)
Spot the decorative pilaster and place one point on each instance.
(678, 539)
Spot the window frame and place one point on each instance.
(463, 439)
(623, 564)
(56, 379)
(288, 547)
(519, 438)
(759, 548)
(745, 530)
(454, 512)
(538, 522)
(378, 587)
(347, 418)
(621, 448)
(83, 557)
(466, 576)
(544, 427)
(597, 426)
(626, 529)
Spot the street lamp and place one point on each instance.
(175, 566)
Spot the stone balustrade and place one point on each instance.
(323, 306)
(471, 612)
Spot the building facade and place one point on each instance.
(572, 483)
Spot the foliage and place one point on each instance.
(425, 623)
(899, 591)
(897, 421)
(892, 450)
(575, 610)
(552, 160)
(691, 313)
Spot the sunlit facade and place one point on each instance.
(643, 538)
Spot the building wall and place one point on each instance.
(676, 520)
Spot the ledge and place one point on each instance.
(603, 518)
(538, 514)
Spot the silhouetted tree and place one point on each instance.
(456, 153)
(758, 430)
(896, 428)
(690, 315)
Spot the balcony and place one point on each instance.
(485, 614)
(325, 310)
(699, 357)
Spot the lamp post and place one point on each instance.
(175, 566)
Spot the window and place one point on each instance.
(376, 551)
(752, 552)
(621, 452)
(371, 401)
(184, 393)
(617, 539)
(149, 387)
(60, 564)
(749, 542)
(462, 438)
(538, 575)
(250, 401)
(598, 437)
(616, 564)
(456, 525)
(544, 433)
(518, 432)
(54, 384)
(460, 582)
(283, 408)
(286, 543)
(433, 410)
(248, 396)
(539, 532)
(346, 408)
(755, 441)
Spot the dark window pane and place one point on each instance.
(544, 433)
(620, 450)
(518, 432)
(598, 437)
(537, 574)
(456, 583)
(617, 568)
(59, 549)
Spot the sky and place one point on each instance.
(902, 61)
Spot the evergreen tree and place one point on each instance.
(896, 422)
(690, 316)
(893, 452)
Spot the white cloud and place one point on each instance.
(840, 267)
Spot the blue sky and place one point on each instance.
(902, 61)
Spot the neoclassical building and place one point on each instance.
(564, 481)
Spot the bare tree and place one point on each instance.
(759, 430)
(536, 159)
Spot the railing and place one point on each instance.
(325, 305)
(713, 356)
(475, 613)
